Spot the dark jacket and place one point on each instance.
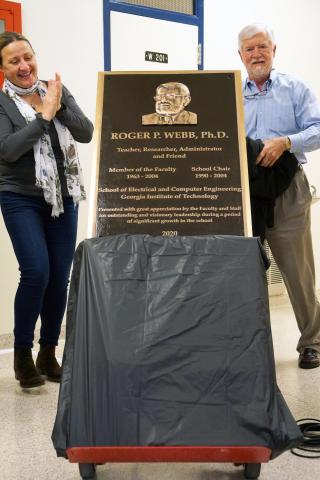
(266, 184)
(17, 172)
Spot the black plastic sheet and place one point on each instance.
(169, 343)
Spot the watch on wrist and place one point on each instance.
(288, 143)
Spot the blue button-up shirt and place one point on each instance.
(286, 107)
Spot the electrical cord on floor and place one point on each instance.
(310, 429)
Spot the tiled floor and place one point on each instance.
(26, 421)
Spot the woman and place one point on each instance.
(40, 188)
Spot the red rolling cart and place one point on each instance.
(88, 457)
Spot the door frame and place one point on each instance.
(11, 11)
(157, 13)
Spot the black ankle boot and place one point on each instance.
(25, 370)
(47, 364)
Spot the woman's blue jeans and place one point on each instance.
(44, 247)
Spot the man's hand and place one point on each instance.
(272, 150)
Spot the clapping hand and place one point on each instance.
(51, 102)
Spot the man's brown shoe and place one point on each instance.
(309, 358)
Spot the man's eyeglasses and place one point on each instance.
(168, 96)
(261, 93)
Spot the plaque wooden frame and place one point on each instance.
(124, 103)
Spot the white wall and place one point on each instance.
(67, 36)
(296, 27)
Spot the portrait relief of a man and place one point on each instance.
(170, 102)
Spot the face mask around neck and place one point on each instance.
(22, 91)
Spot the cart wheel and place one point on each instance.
(87, 471)
(252, 470)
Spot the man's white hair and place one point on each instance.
(253, 29)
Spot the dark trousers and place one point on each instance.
(44, 247)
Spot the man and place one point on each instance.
(171, 99)
(284, 113)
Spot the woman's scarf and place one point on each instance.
(46, 171)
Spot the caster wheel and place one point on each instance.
(87, 471)
(252, 470)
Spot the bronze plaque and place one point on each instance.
(171, 156)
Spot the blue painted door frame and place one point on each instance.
(120, 6)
